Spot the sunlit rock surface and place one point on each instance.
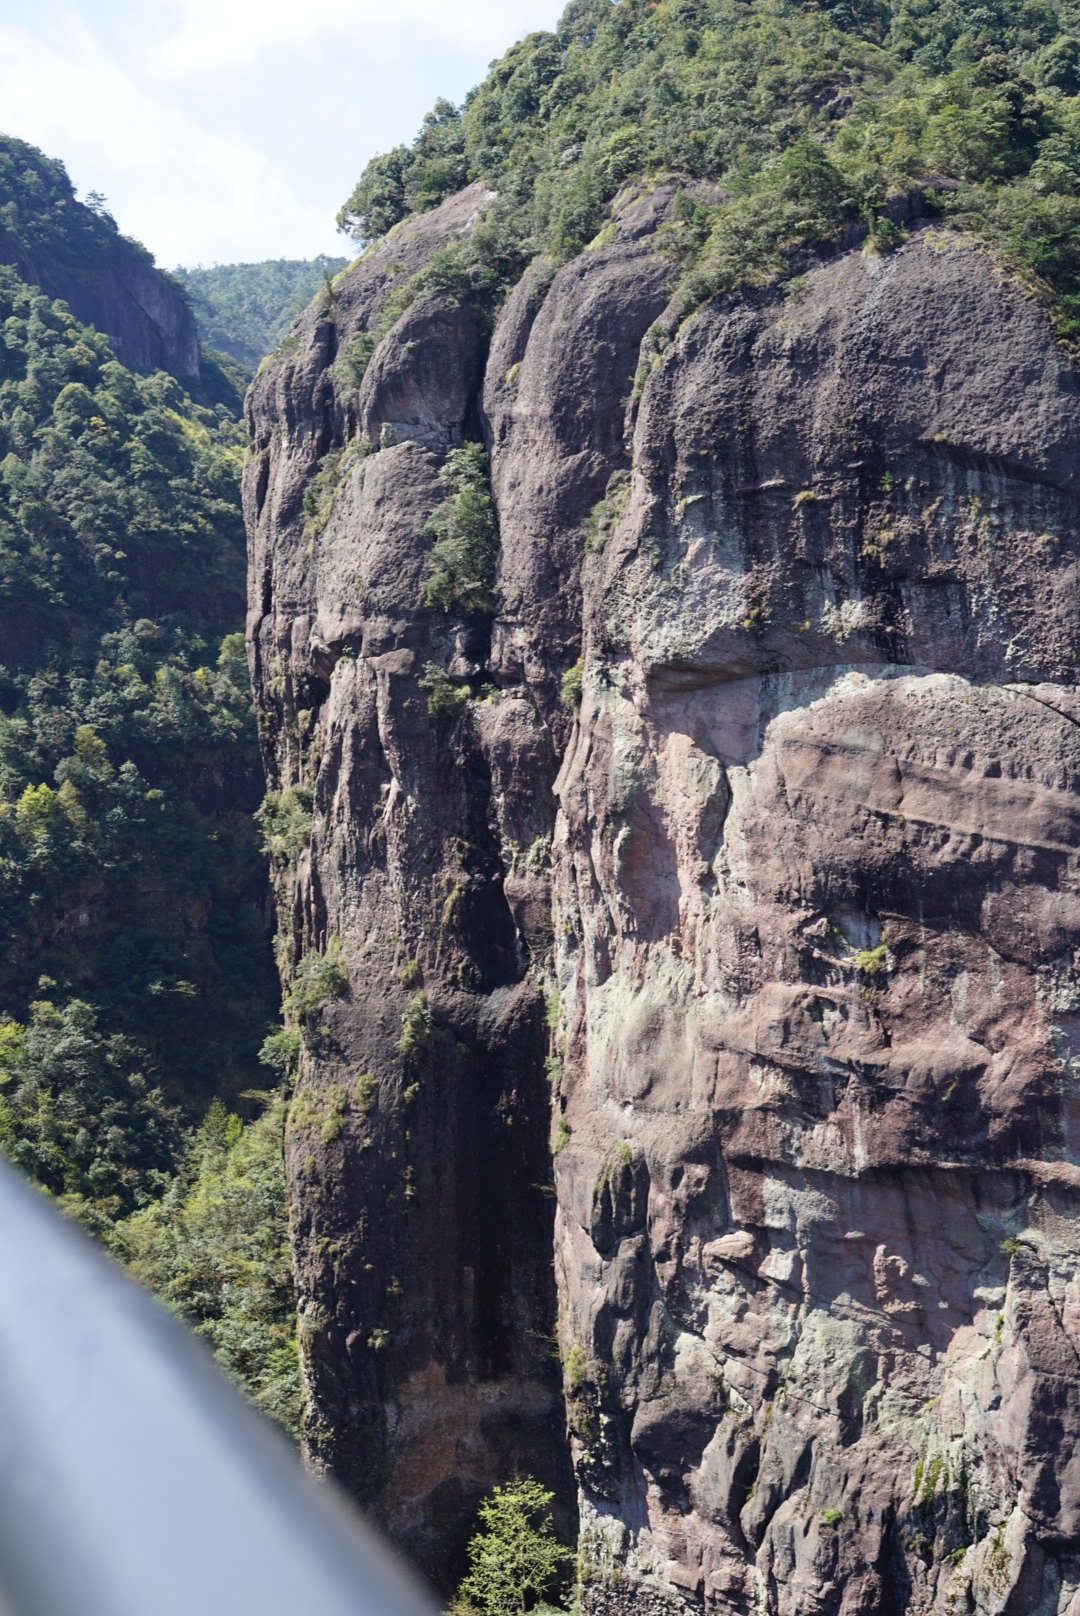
(798, 881)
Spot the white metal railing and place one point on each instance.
(133, 1480)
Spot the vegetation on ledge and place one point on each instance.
(465, 536)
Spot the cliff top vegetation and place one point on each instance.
(787, 125)
(39, 209)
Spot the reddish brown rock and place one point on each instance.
(817, 919)
(803, 868)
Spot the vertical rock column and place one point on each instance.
(416, 1150)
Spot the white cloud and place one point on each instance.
(223, 131)
(191, 36)
(188, 190)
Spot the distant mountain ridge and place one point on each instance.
(244, 310)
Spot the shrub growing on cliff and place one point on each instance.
(443, 695)
(281, 1053)
(321, 491)
(318, 979)
(417, 1028)
(571, 685)
(285, 821)
(353, 361)
(799, 198)
(461, 563)
(215, 1248)
(515, 1559)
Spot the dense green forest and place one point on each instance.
(813, 118)
(137, 980)
(39, 212)
(245, 309)
(129, 771)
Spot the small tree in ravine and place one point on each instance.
(515, 1558)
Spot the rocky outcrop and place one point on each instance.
(417, 1149)
(145, 316)
(816, 918)
(76, 253)
(799, 881)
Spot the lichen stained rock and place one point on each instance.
(417, 1143)
(797, 886)
(817, 911)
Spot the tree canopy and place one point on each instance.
(804, 118)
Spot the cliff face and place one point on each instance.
(147, 320)
(421, 1180)
(802, 869)
(816, 913)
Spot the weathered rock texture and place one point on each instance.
(805, 870)
(423, 1207)
(117, 289)
(75, 252)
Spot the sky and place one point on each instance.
(225, 131)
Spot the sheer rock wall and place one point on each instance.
(802, 870)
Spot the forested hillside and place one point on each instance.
(245, 309)
(74, 251)
(137, 981)
(130, 768)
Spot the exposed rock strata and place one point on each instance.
(811, 902)
(423, 1207)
